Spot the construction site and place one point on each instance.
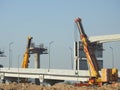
(87, 73)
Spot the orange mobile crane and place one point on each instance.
(95, 77)
(27, 54)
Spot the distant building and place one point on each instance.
(84, 66)
(1, 66)
(1, 55)
(98, 50)
(82, 63)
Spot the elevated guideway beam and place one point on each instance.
(105, 38)
(44, 74)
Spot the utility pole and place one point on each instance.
(10, 57)
(112, 57)
(71, 57)
(18, 68)
(49, 53)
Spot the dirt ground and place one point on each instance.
(29, 86)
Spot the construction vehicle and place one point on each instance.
(27, 54)
(107, 75)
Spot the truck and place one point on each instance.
(106, 75)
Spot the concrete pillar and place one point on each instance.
(75, 56)
(37, 60)
(37, 65)
(78, 59)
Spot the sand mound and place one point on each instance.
(29, 86)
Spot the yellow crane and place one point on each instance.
(95, 77)
(27, 54)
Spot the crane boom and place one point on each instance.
(26, 55)
(88, 49)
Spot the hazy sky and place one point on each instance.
(53, 20)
